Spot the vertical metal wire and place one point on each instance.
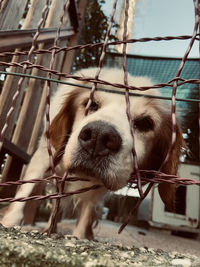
(94, 86)
(21, 80)
(175, 84)
(135, 163)
(54, 215)
(53, 54)
(128, 112)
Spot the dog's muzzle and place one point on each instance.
(98, 144)
(99, 139)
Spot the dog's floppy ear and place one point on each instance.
(167, 191)
(61, 126)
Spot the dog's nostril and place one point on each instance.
(100, 139)
(106, 140)
(111, 141)
(86, 135)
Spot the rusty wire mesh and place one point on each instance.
(138, 177)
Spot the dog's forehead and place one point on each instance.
(116, 96)
(109, 94)
(115, 104)
(113, 95)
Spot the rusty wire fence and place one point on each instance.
(54, 75)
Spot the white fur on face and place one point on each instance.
(112, 110)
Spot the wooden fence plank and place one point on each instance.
(10, 87)
(35, 88)
(37, 125)
(28, 112)
(37, 131)
(15, 151)
(52, 21)
(8, 90)
(55, 13)
(34, 14)
(21, 39)
(10, 83)
(11, 13)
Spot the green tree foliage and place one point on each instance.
(93, 31)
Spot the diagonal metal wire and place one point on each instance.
(175, 84)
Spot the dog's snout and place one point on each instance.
(99, 138)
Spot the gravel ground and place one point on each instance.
(22, 248)
(154, 238)
(133, 247)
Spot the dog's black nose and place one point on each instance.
(99, 138)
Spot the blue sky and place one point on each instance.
(162, 18)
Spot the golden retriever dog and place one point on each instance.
(98, 147)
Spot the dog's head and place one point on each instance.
(99, 145)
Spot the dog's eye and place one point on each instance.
(144, 124)
(94, 106)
